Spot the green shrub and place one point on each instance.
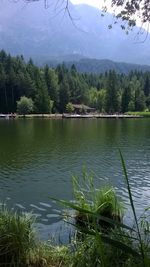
(46, 255)
(121, 245)
(16, 238)
(100, 201)
(145, 114)
(24, 105)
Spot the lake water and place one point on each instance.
(38, 158)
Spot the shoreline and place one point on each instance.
(70, 116)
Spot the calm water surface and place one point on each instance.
(38, 158)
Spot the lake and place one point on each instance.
(38, 157)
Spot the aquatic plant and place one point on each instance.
(101, 201)
(106, 242)
(17, 237)
(48, 255)
(123, 246)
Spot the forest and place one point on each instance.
(51, 89)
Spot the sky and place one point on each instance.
(95, 3)
(102, 3)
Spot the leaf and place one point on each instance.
(113, 242)
(120, 245)
(105, 219)
(132, 206)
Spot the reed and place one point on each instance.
(122, 245)
(17, 238)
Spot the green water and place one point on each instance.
(38, 158)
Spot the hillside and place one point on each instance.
(56, 35)
(99, 66)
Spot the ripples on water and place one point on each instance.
(38, 158)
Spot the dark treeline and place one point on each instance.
(51, 89)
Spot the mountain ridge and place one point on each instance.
(22, 32)
(89, 65)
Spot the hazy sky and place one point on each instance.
(101, 3)
(96, 3)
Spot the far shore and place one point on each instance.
(72, 116)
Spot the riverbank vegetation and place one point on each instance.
(94, 245)
(50, 90)
(145, 114)
(20, 247)
(101, 239)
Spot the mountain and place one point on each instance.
(88, 65)
(44, 34)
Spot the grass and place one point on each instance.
(120, 246)
(19, 246)
(102, 201)
(46, 255)
(16, 237)
(145, 114)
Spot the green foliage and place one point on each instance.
(145, 114)
(51, 79)
(101, 100)
(131, 106)
(112, 96)
(139, 100)
(121, 245)
(106, 92)
(24, 105)
(42, 99)
(16, 238)
(51, 105)
(96, 98)
(20, 248)
(126, 97)
(69, 107)
(64, 95)
(102, 201)
(47, 255)
(147, 86)
(148, 102)
(133, 209)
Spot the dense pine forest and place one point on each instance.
(52, 89)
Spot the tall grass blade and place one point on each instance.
(132, 206)
(110, 241)
(84, 211)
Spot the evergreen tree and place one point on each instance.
(101, 100)
(148, 102)
(51, 79)
(139, 100)
(112, 97)
(42, 99)
(126, 97)
(52, 89)
(147, 86)
(64, 96)
(3, 93)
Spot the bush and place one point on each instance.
(103, 202)
(24, 105)
(16, 238)
(69, 107)
(46, 255)
(102, 238)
